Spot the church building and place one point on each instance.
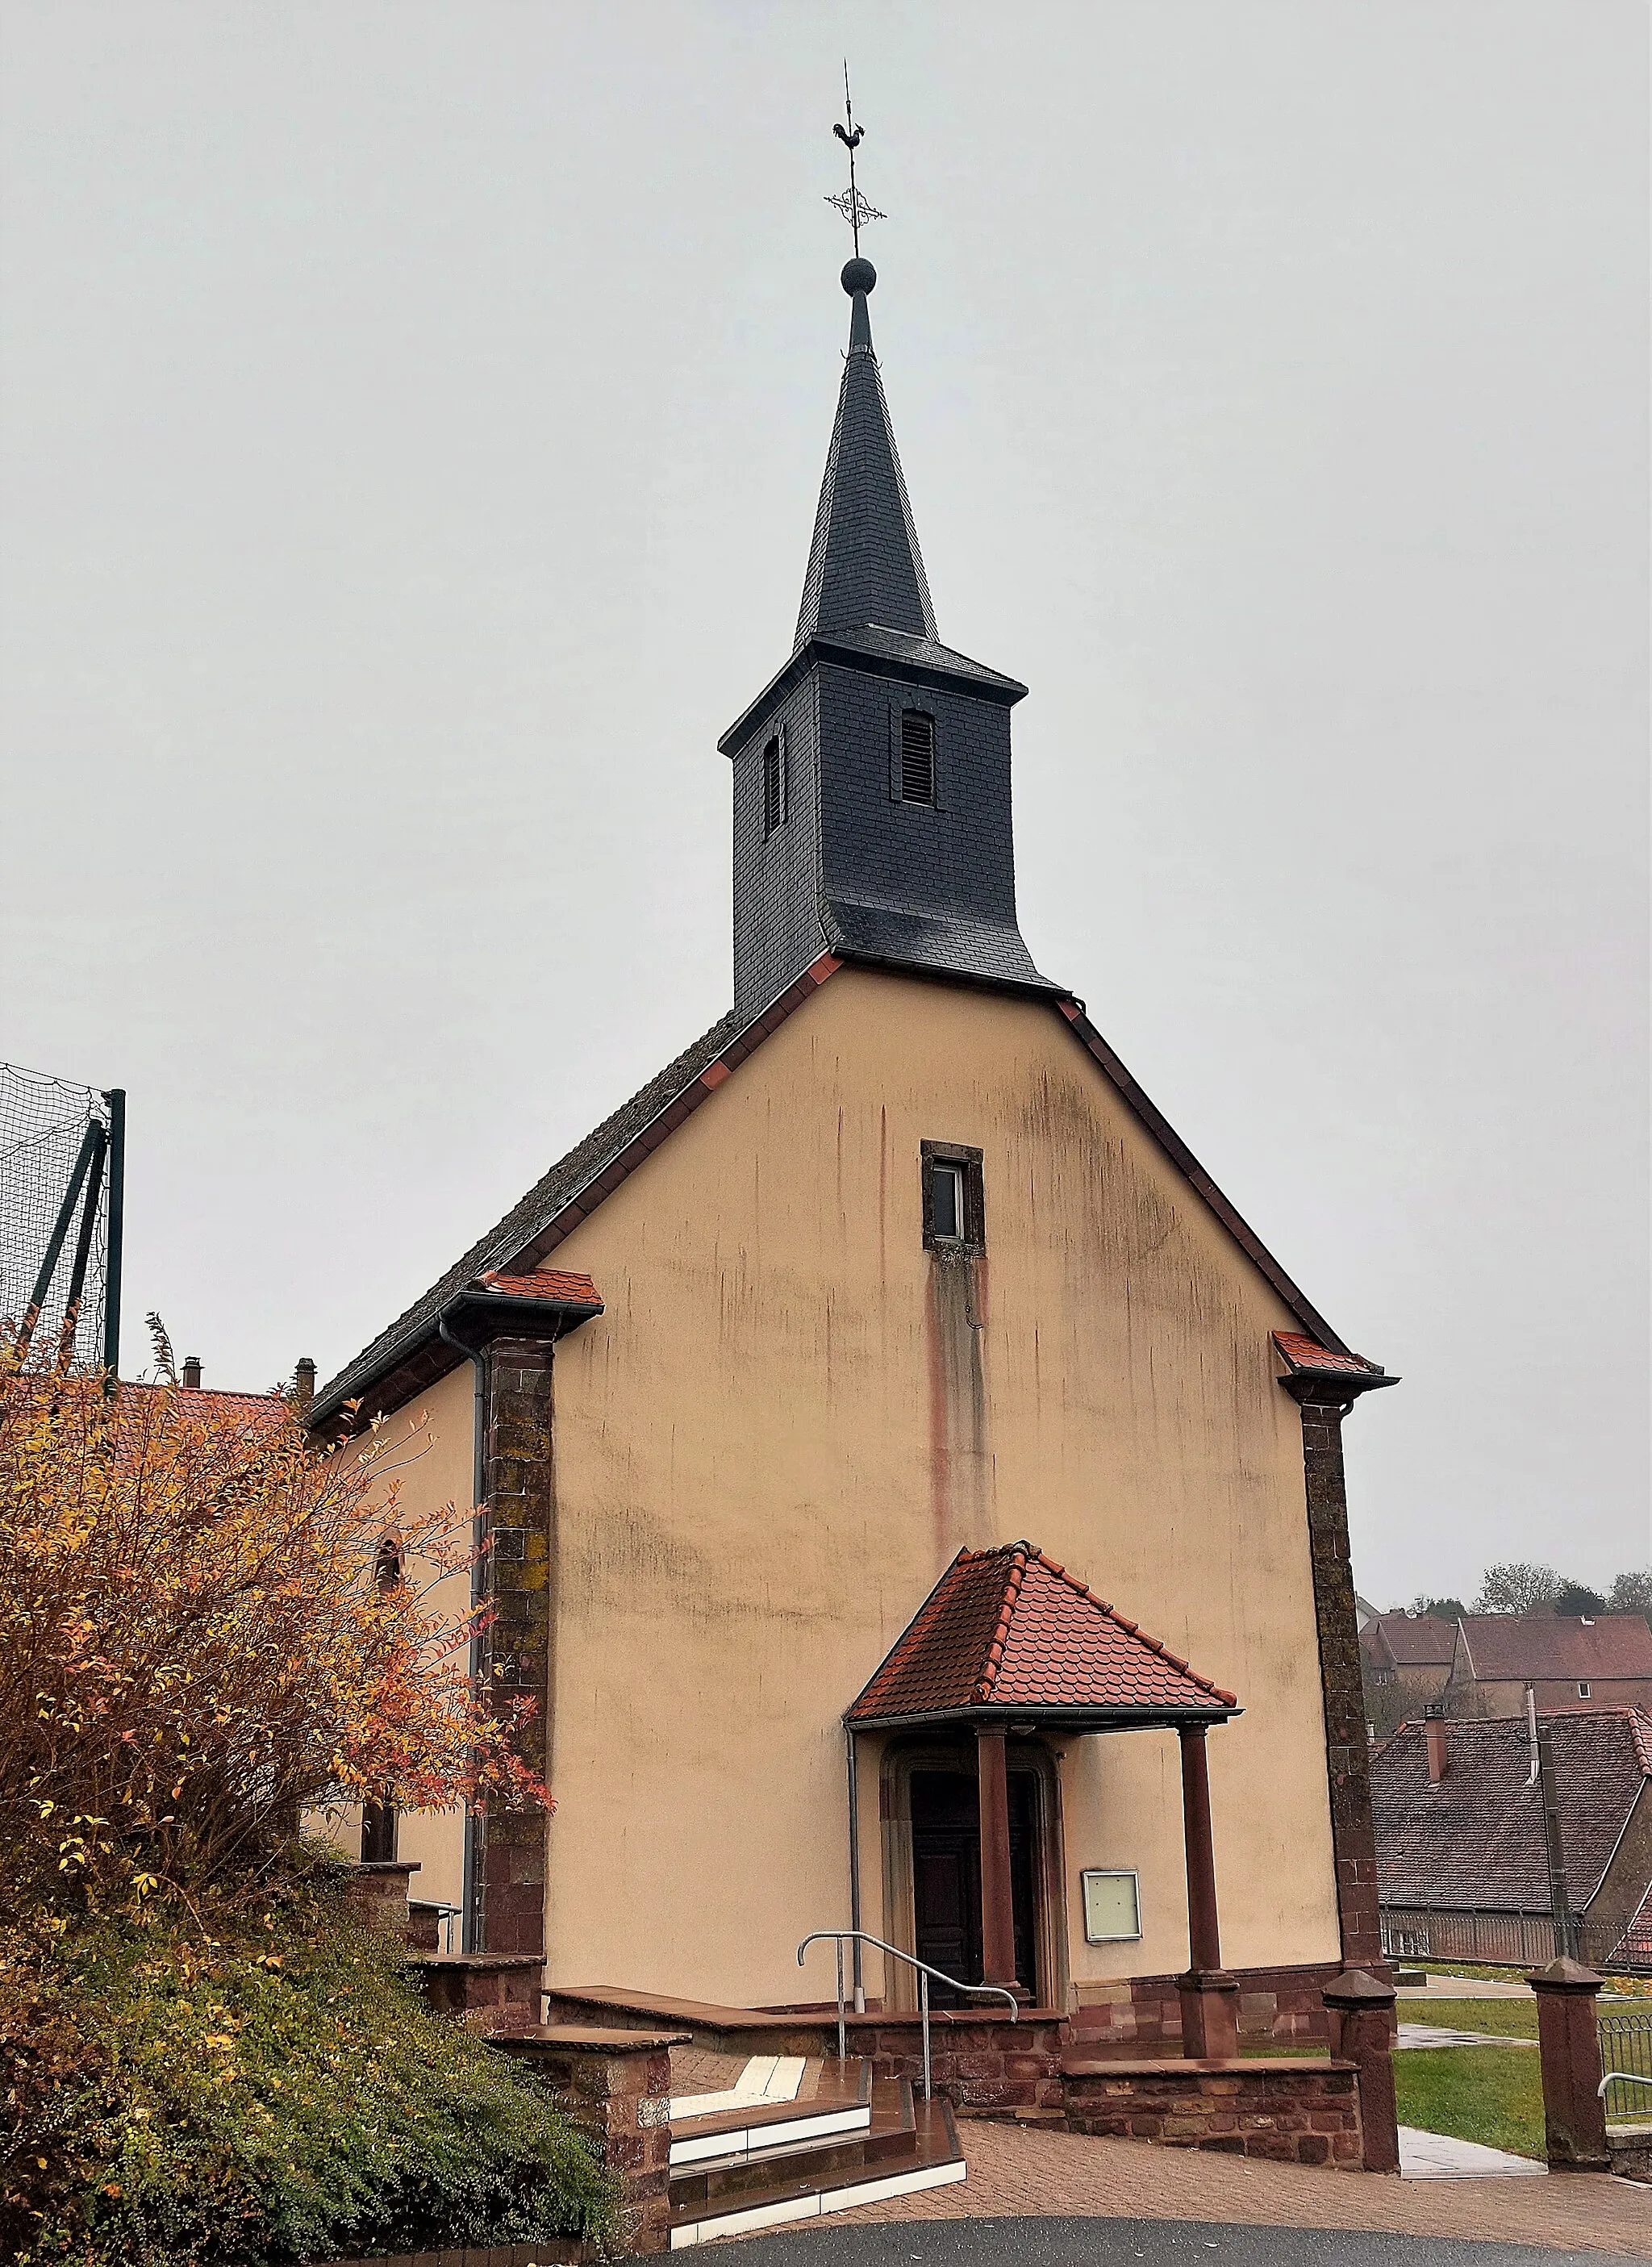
(914, 1495)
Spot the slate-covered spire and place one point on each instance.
(864, 563)
(871, 774)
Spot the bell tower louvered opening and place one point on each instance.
(917, 756)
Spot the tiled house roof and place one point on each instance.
(1009, 1629)
(1412, 1641)
(1529, 1648)
(1477, 1838)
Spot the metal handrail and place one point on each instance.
(1634, 2078)
(839, 1937)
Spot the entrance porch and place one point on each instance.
(1009, 1658)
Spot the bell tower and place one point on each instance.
(871, 775)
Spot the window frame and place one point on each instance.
(1585, 1687)
(968, 1161)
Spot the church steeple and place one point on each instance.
(871, 775)
(864, 563)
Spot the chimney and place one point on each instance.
(1434, 1732)
(192, 1373)
(304, 1385)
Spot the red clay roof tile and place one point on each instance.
(1307, 1353)
(546, 1283)
(1011, 1629)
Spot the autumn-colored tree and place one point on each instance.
(193, 1648)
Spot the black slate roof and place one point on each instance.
(1477, 1838)
(925, 654)
(864, 563)
(582, 1164)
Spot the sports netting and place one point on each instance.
(54, 1181)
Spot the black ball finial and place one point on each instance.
(858, 275)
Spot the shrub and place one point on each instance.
(271, 2093)
(193, 1647)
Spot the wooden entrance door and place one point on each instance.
(946, 1875)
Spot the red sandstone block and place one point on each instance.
(1028, 2065)
(1276, 2147)
(1228, 2145)
(1312, 2149)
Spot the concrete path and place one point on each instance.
(1466, 1987)
(1443, 2157)
(1132, 2244)
(1100, 2186)
(1436, 2035)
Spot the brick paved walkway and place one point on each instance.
(1016, 2172)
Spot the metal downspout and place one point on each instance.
(474, 1925)
(854, 1873)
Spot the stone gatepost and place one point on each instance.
(616, 2087)
(379, 1892)
(1568, 2043)
(1360, 2014)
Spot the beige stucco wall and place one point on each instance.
(422, 1457)
(786, 1422)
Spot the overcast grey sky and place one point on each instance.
(412, 421)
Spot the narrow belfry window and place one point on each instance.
(953, 1211)
(917, 756)
(773, 785)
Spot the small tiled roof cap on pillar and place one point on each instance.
(1344, 1375)
(554, 1283)
(1009, 1633)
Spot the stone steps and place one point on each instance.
(845, 2139)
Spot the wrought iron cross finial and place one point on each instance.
(853, 206)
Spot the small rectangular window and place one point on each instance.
(953, 1210)
(1113, 1905)
(773, 785)
(946, 1203)
(1584, 1691)
(917, 756)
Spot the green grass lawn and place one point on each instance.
(1490, 2094)
(1509, 2019)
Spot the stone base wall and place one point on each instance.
(492, 1992)
(985, 2070)
(1631, 2149)
(617, 2089)
(1142, 2014)
(1295, 2112)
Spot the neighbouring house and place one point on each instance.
(1407, 1664)
(761, 1387)
(1465, 1866)
(1570, 1661)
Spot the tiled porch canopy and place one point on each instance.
(1009, 1641)
(1008, 1637)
